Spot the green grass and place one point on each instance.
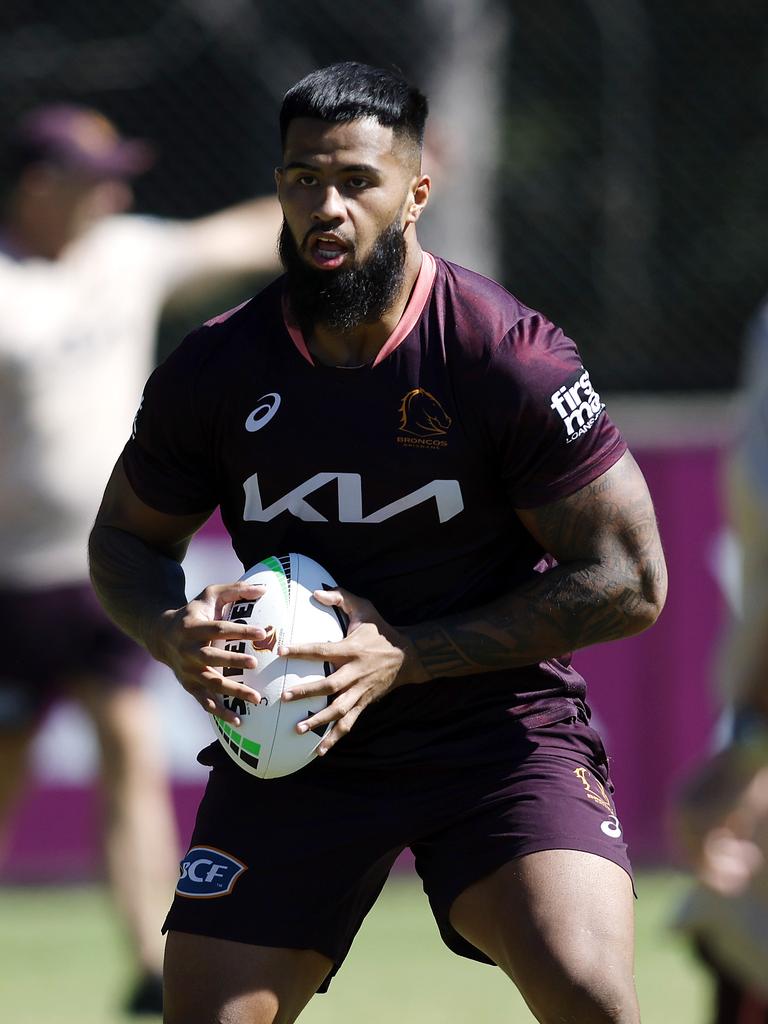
(62, 962)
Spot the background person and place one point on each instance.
(462, 732)
(723, 808)
(82, 286)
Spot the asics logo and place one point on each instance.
(263, 413)
(611, 827)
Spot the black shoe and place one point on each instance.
(146, 997)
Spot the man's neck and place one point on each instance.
(24, 240)
(363, 343)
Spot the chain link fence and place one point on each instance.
(607, 160)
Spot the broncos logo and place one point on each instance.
(600, 796)
(269, 641)
(422, 415)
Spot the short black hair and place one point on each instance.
(350, 90)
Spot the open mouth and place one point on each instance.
(327, 252)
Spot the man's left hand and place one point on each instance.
(370, 661)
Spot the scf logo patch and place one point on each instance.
(206, 873)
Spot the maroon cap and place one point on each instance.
(81, 140)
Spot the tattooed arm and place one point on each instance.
(135, 557)
(610, 582)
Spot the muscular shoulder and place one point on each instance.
(488, 328)
(480, 309)
(197, 380)
(251, 325)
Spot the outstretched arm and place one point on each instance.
(241, 238)
(610, 582)
(224, 247)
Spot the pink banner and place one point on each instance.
(653, 695)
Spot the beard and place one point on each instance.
(343, 299)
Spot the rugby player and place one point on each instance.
(722, 809)
(442, 450)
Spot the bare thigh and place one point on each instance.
(14, 755)
(126, 724)
(215, 981)
(560, 923)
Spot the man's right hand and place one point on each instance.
(186, 640)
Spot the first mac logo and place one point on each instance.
(207, 872)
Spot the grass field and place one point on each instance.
(62, 962)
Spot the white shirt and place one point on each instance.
(77, 339)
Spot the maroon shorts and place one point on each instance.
(56, 636)
(298, 862)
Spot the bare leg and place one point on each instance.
(140, 839)
(208, 981)
(14, 752)
(561, 925)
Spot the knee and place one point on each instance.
(263, 1014)
(584, 995)
(262, 1009)
(601, 1000)
(127, 738)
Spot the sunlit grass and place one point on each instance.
(62, 961)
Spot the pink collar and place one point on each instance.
(407, 322)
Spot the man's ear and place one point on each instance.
(278, 176)
(419, 197)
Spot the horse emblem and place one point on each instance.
(422, 415)
(269, 641)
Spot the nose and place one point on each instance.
(330, 206)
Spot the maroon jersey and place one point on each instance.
(401, 476)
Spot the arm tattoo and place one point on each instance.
(134, 582)
(610, 583)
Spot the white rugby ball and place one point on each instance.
(266, 743)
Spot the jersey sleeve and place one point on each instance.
(547, 422)
(168, 458)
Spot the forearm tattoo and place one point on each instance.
(610, 584)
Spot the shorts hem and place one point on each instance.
(493, 863)
(209, 932)
(461, 946)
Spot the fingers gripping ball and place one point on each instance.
(266, 743)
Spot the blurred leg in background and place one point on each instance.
(140, 841)
(85, 657)
(723, 821)
(15, 741)
(722, 811)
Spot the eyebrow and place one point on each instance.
(302, 165)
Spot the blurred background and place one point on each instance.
(606, 160)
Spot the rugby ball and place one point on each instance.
(266, 743)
